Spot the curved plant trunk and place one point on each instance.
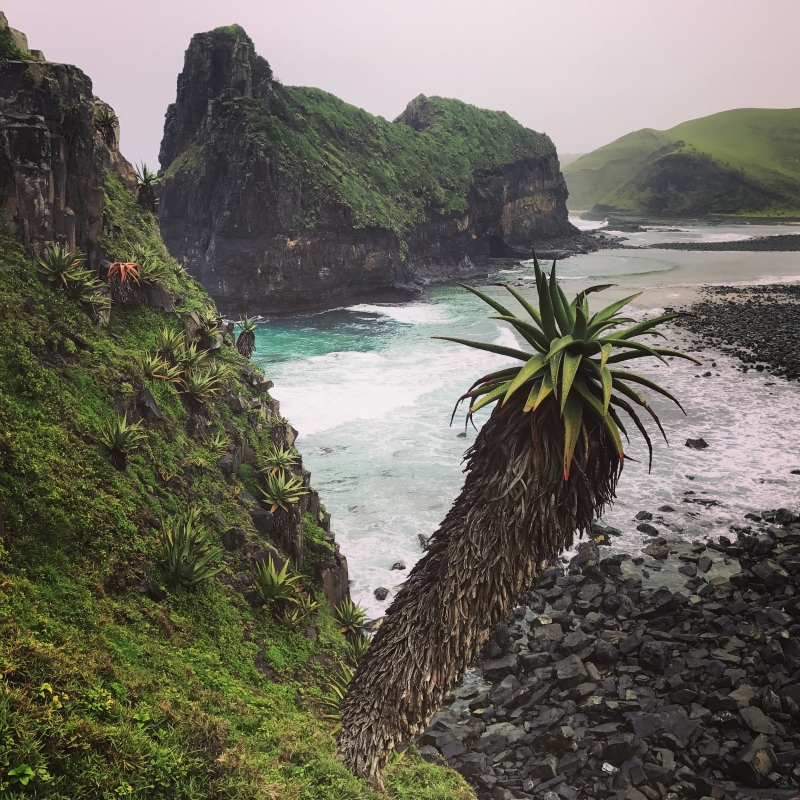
(514, 513)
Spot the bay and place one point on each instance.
(371, 394)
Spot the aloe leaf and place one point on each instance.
(579, 328)
(493, 376)
(612, 431)
(569, 311)
(583, 390)
(534, 337)
(573, 415)
(633, 378)
(555, 363)
(490, 397)
(662, 351)
(605, 352)
(555, 300)
(643, 327)
(609, 311)
(499, 307)
(527, 372)
(618, 422)
(529, 307)
(598, 287)
(570, 369)
(489, 348)
(546, 308)
(638, 423)
(639, 400)
(636, 346)
(533, 395)
(544, 391)
(608, 381)
(563, 342)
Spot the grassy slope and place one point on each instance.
(763, 144)
(387, 174)
(104, 693)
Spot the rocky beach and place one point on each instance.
(671, 675)
(757, 324)
(608, 683)
(785, 243)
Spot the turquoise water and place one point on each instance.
(371, 394)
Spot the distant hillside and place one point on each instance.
(745, 161)
(568, 158)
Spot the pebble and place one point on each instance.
(596, 687)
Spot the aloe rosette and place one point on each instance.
(574, 359)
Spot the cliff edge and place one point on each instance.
(280, 199)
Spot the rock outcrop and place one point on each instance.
(52, 157)
(281, 199)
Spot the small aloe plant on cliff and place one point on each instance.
(187, 550)
(283, 491)
(279, 459)
(107, 123)
(121, 438)
(246, 343)
(146, 180)
(169, 341)
(62, 268)
(276, 588)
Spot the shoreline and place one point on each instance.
(599, 688)
(758, 324)
(782, 243)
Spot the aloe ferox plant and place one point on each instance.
(543, 467)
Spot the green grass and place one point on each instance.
(103, 692)
(384, 173)
(749, 156)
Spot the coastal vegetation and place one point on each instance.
(131, 664)
(740, 162)
(543, 467)
(387, 174)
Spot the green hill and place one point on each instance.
(745, 161)
(109, 686)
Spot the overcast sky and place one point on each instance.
(583, 71)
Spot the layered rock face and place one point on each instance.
(51, 155)
(280, 199)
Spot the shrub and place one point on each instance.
(169, 342)
(337, 689)
(125, 284)
(283, 491)
(276, 589)
(156, 368)
(187, 551)
(121, 438)
(199, 386)
(350, 617)
(107, 123)
(61, 267)
(279, 459)
(246, 343)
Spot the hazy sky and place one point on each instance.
(583, 71)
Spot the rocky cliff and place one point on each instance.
(52, 155)
(283, 198)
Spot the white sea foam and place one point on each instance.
(374, 420)
(409, 314)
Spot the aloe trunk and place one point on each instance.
(515, 512)
(246, 343)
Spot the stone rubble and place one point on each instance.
(599, 688)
